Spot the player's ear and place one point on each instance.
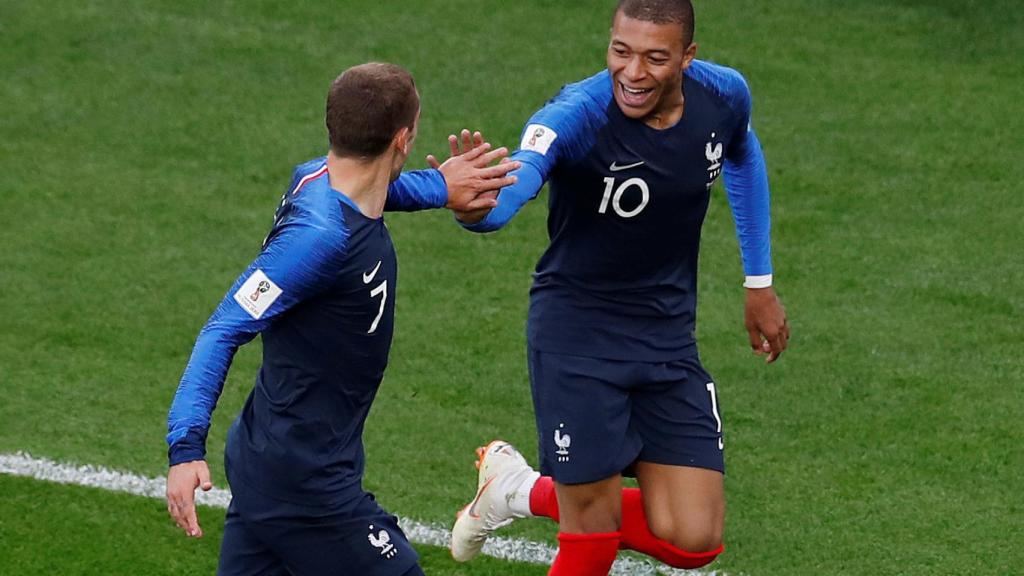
(401, 140)
(688, 55)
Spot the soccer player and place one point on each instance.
(631, 155)
(322, 294)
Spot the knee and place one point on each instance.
(697, 536)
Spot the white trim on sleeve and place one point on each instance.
(758, 281)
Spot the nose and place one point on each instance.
(635, 69)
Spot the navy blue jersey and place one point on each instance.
(322, 295)
(627, 202)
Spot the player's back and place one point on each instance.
(299, 436)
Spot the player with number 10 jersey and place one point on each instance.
(631, 155)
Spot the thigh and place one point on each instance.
(242, 553)
(583, 417)
(366, 546)
(677, 415)
(684, 506)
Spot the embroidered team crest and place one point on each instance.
(713, 152)
(563, 441)
(382, 541)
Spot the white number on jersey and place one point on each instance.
(382, 289)
(616, 199)
(714, 410)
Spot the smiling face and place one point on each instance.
(646, 61)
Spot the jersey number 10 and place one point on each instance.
(616, 199)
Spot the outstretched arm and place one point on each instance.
(510, 200)
(466, 181)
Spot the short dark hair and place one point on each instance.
(367, 105)
(661, 12)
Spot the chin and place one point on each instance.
(634, 112)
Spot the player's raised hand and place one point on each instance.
(468, 142)
(182, 481)
(766, 323)
(472, 178)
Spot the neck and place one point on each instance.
(668, 114)
(364, 182)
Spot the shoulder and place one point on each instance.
(312, 218)
(724, 82)
(307, 171)
(577, 112)
(586, 99)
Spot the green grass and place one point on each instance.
(143, 147)
(91, 532)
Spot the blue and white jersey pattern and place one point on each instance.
(627, 203)
(321, 293)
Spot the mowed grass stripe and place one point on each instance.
(48, 528)
(508, 549)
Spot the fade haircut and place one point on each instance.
(367, 105)
(661, 12)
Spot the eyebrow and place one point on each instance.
(653, 51)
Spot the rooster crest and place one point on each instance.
(563, 441)
(382, 540)
(713, 154)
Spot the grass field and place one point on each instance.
(143, 147)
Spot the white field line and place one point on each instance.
(513, 549)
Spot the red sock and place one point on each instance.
(635, 533)
(585, 554)
(543, 501)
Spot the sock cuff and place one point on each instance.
(593, 537)
(543, 501)
(692, 555)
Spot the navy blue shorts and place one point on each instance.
(596, 417)
(266, 537)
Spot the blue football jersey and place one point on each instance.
(322, 294)
(627, 203)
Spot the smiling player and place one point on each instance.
(631, 155)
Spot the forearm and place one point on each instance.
(189, 418)
(417, 190)
(746, 184)
(511, 199)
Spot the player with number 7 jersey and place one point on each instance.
(322, 295)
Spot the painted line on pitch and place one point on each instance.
(512, 549)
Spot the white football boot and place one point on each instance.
(502, 495)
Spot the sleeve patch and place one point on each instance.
(257, 294)
(538, 138)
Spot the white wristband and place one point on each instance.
(758, 281)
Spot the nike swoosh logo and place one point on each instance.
(615, 168)
(472, 507)
(368, 276)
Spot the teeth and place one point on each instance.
(638, 91)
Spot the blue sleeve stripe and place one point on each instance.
(417, 190)
(301, 262)
(746, 186)
(512, 198)
(727, 83)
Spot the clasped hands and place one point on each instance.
(472, 177)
